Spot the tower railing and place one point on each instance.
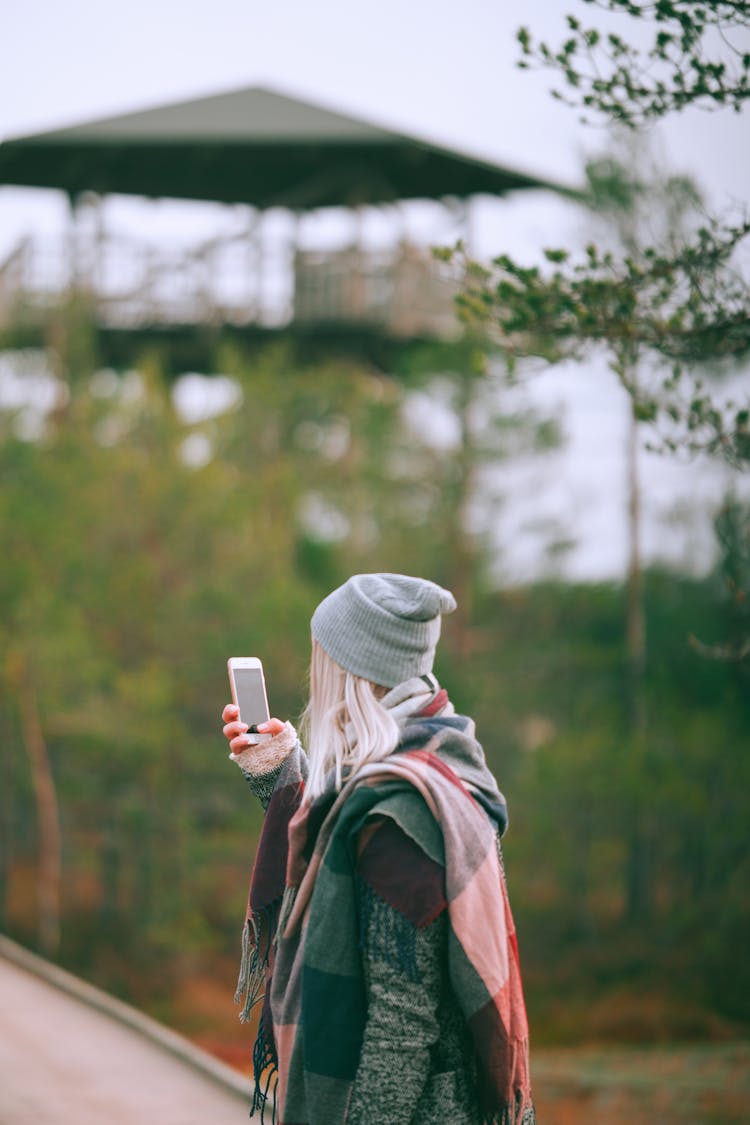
(235, 280)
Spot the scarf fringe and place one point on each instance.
(257, 940)
(385, 934)
(258, 936)
(521, 1112)
(265, 1066)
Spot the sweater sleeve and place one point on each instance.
(403, 967)
(262, 764)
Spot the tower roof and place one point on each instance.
(255, 146)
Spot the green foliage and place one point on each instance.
(663, 292)
(131, 574)
(733, 533)
(618, 812)
(685, 307)
(606, 74)
(547, 688)
(681, 296)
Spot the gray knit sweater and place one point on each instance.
(417, 1061)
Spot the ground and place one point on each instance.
(700, 1082)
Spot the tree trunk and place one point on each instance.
(638, 873)
(6, 832)
(48, 817)
(462, 551)
(636, 618)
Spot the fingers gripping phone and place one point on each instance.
(249, 692)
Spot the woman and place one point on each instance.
(378, 926)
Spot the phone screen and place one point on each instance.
(251, 696)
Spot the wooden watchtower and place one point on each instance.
(267, 151)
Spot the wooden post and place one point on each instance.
(254, 310)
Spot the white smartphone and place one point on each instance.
(249, 692)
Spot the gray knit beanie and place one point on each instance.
(383, 627)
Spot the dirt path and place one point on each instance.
(62, 1062)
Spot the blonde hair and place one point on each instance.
(344, 724)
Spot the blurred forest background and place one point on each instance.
(142, 545)
(132, 569)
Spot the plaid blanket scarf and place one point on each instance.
(301, 940)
